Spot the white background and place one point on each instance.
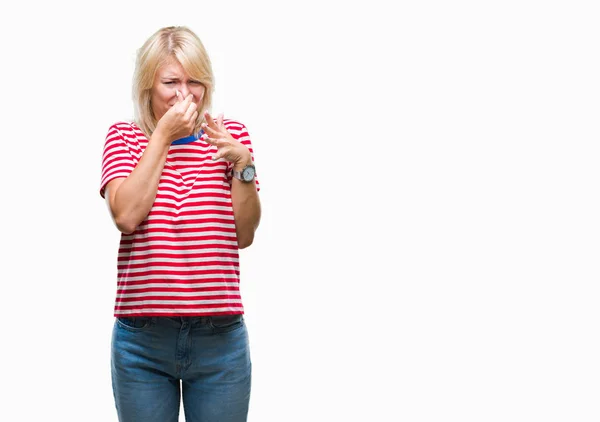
(430, 235)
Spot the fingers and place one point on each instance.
(210, 131)
(227, 150)
(210, 122)
(218, 136)
(215, 127)
(221, 153)
(186, 100)
(190, 112)
(214, 141)
(217, 143)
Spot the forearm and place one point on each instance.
(244, 196)
(135, 196)
(246, 210)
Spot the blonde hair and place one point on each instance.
(180, 43)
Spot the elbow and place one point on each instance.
(246, 226)
(125, 226)
(245, 241)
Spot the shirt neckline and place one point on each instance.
(188, 139)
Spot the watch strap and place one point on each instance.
(238, 174)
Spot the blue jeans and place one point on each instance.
(155, 359)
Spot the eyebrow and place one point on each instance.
(175, 78)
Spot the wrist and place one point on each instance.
(246, 175)
(159, 137)
(240, 164)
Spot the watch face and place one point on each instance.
(248, 173)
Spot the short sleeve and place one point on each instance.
(117, 160)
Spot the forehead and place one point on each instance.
(171, 68)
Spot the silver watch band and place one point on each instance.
(237, 174)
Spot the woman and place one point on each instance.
(180, 187)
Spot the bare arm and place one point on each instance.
(244, 196)
(130, 198)
(246, 208)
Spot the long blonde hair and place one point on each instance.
(177, 42)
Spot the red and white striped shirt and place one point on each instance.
(183, 258)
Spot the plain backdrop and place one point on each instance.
(429, 243)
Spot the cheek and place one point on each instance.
(163, 94)
(161, 99)
(199, 94)
(167, 94)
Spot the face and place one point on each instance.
(170, 78)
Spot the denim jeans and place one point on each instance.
(204, 360)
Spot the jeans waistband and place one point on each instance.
(189, 320)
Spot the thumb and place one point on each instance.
(179, 96)
(220, 153)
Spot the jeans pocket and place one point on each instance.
(226, 323)
(134, 323)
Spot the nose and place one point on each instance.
(185, 91)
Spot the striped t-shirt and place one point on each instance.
(183, 258)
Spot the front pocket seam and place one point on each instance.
(133, 329)
(228, 328)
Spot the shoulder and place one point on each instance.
(123, 126)
(236, 128)
(232, 124)
(124, 129)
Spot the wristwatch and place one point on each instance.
(246, 175)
